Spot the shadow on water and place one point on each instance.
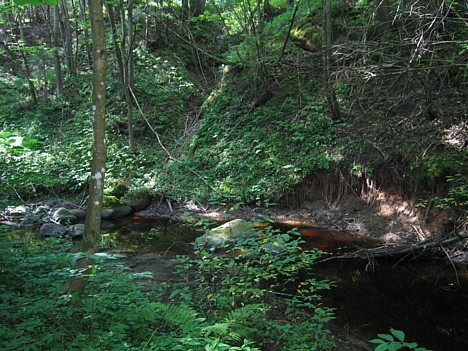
(149, 235)
(426, 299)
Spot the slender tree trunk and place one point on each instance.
(115, 42)
(93, 218)
(124, 55)
(86, 31)
(197, 7)
(327, 42)
(55, 43)
(27, 69)
(67, 39)
(130, 77)
(91, 238)
(185, 10)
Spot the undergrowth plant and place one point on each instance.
(395, 341)
(258, 300)
(269, 271)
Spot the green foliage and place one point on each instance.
(116, 314)
(457, 196)
(24, 164)
(436, 167)
(36, 2)
(394, 342)
(238, 303)
(267, 279)
(252, 155)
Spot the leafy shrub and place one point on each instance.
(229, 303)
(395, 341)
(271, 271)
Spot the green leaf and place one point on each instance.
(377, 341)
(382, 347)
(386, 337)
(398, 334)
(394, 346)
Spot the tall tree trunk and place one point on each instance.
(130, 80)
(67, 39)
(124, 55)
(115, 42)
(86, 31)
(185, 10)
(197, 7)
(327, 42)
(55, 43)
(92, 237)
(27, 69)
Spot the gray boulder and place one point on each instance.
(64, 216)
(30, 221)
(52, 230)
(75, 231)
(78, 213)
(114, 208)
(138, 199)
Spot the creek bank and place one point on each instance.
(62, 218)
(369, 231)
(359, 224)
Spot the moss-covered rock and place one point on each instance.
(63, 215)
(308, 36)
(114, 208)
(138, 199)
(226, 235)
(51, 230)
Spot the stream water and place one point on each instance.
(428, 300)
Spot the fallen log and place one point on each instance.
(399, 251)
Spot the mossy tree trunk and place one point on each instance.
(92, 236)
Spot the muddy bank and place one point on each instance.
(351, 216)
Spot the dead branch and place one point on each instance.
(399, 251)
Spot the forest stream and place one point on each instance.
(427, 299)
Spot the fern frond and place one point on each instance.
(217, 329)
(182, 316)
(244, 313)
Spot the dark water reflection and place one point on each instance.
(147, 234)
(428, 300)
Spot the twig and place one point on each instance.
(149, 125)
